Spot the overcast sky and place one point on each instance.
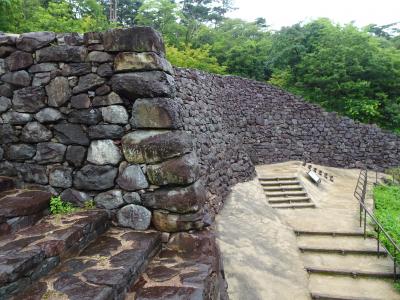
(280, 13)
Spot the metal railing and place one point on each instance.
(360, 194)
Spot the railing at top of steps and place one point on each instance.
(360, 194)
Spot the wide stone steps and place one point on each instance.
(104, 270)
(328, 287)
(285, 192)
(31, 253)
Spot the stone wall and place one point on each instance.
(233, 118)
(94, 116)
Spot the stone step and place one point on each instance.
(293, 205)
(187, 268)
(279, 183)
(277, 179)
(31, 253)
(349, 264)
(283, 189)
(289, 200)
(340, 244)
(22, 208)
(6, 183)
(285, 194)
(104, 270)
(326, 287)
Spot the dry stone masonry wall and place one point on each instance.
(233, 118)
(94, 116)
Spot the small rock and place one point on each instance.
(62, 53)
(50, 153)
(115, 114)
(76, 155)
(20, 152)
(29, 99)
(5, 104)
(109, 200)
(19, 60)
(7, 134)
(3, 69)
(96, 178)
(85, 116)
(33, 173)
(145, 61)
(58, 91)
(60, 176)
(18, 78)
(6, 90)
(76, 69)
(134, 216)
(80, 101)
(103, 152)
(6, 51)
(99, 57)
(106, 131)
(35, 132)
(110, 99)
(105, 70)
(44, 67)
(48, 115)
(41, 79)
(75, 197)
(88, 82)
(132, 198)
(132, 179)
(71, 134)
(103, 90)
(16, 118)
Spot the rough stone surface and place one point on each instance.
(33, 173)
(132, 178)
(76, 155)
(29, 99)
(44, 67)
(109, 200)
(132, 198)
(99, 57)
(170, 222)
(6, 90)
(41, 79)
(103, 152)
(76, 69)
(16, 118)
(143, 85)
(134, 216)
(34, 40)
(85, 116)
(80, 101)
(50, 153)
(135, 39)
(19, 60)
(106, 131)
(96, 178)
(148, 61)
(156, 113)
(63, 53)
(35, 132)
(58, 91)
(105, 70)
(110, 99)
(60, 176)
(48, 115)
(88, 82)
(5, 104)
(154, 146)
(3, 69)
(178, 171)
(115, 114)
(18, 78)
(20, 152)
(75, 197)
(178, 200)
(7, 134)
(71, 134)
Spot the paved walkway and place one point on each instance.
(260, 255)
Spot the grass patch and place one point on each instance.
(387, 211)
(57, 206)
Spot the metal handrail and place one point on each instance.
(360, 196)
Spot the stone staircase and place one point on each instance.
(81, 256)
(345, 266)
(285, 192)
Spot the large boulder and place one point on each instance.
(96, 178)
(132, 178)
(109, 200)
(29, 99)
(58, 91)
(19, 60)
(135, 39)
(143, 85)
(32, 41)
(155, 113)
(147, 61)
(70, 134)
(103, 152)
(134, 216)
(155, 146)
(61, 53)
(178, 171)
(177, 199)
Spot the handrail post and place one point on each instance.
(365, 224)
(379, 231)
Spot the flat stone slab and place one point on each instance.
(187, 268)
(31, 253)
(23, 203)
(102, 271)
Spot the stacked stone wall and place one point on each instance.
(94, 117)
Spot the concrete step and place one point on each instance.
(349, 264)
(285, 194)
(326, 287)
(6, 183)
(21, 208)
(340, 244)
(283, 189)
(293, 205)
(277, 179)
(280, 183)
(104, 270)
(33, 252)
(289, 200)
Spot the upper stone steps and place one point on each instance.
(328, 287)
(31, 253)
(279, 183)
(103, 271)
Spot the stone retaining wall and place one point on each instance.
(95, 117)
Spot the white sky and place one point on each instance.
(280, 13)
